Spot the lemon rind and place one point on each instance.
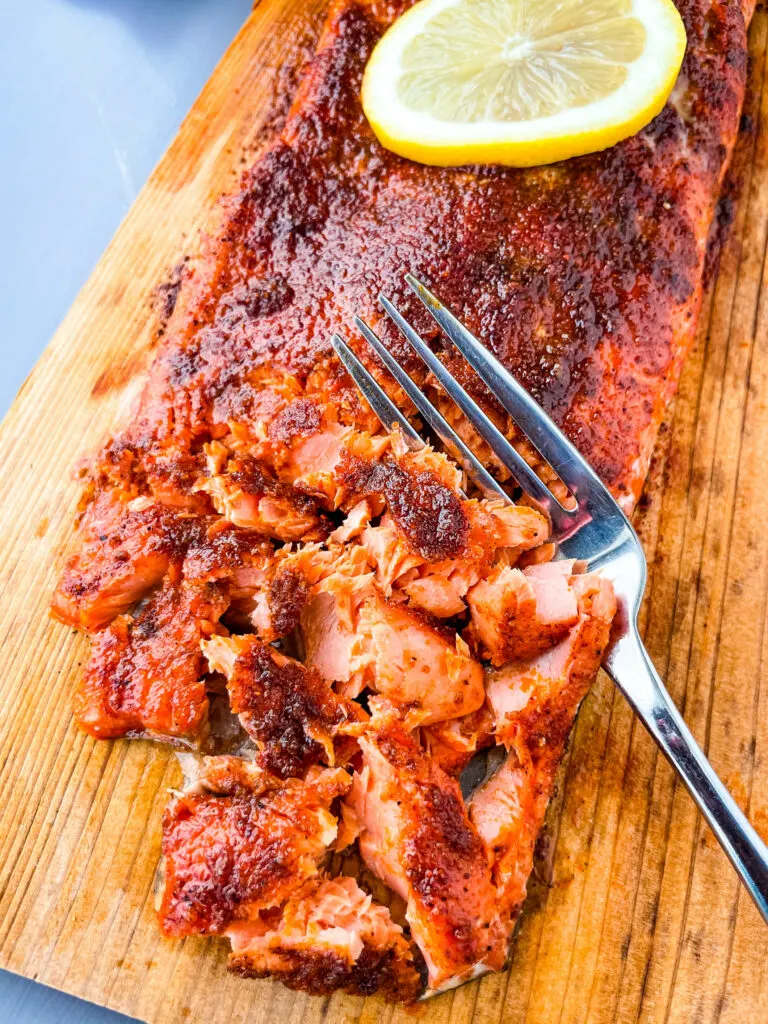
(424, 139)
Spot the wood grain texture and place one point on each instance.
(644, 920)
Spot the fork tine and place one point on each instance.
(551, 443)
(374, 394)
(469, 462)
(500, 446)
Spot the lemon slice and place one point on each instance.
(520, 82)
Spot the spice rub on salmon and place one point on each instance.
(238, 841)
(329, 936)
(368, 661)
(145, 673)
(243, 852)
(253, 509)
(534, 703)
(291, 713)
(417, 837)
(584, 277)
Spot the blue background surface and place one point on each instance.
(91, 93)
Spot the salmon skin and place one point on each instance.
(265, 572)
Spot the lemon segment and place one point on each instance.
(520, 82)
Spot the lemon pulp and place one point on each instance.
(520, 81)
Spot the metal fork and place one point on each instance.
(593, 530)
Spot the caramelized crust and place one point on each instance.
(292, 714)
(514, 616)
(329, 936)
(322, 972)
(221, 551)
(144, 676)
(246, 492)
(429, 514)
(243, 841)
(418, 838)
(125, 550)
(584, 277)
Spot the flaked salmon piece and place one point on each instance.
(163, 471)
(330, 935)
(277, 597)
(452, 743)
(495, 531)
(516, 616)
(358, 639)
(389, 553)
(437, 594)
(427, 460)
(426, 670)
(349, 828)
(516, 526)
(240, 840)
(417, 837)
(333, 644)
(145, 674)
(272, 589)
(225, 552)
(306, 446)
(426, 512)
(438, 586)
(276, 604)
(534, 704)
(317, 564)
(329, 384)
(596, 597)
(552, 570)
(534, 557)
(508, 812)
(245, 493)
(171, 473)
(357, 519)
(312, 461)
(288, 710)
(124, 551)
(535, 701)
(244, 560)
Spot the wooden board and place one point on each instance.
(644, 920)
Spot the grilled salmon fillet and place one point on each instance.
(254, 534)
(584, 277)
(417, 837)
(145, 673)
(330, 935)
(292, 714)
(240, 840)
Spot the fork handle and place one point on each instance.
(628, 665)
